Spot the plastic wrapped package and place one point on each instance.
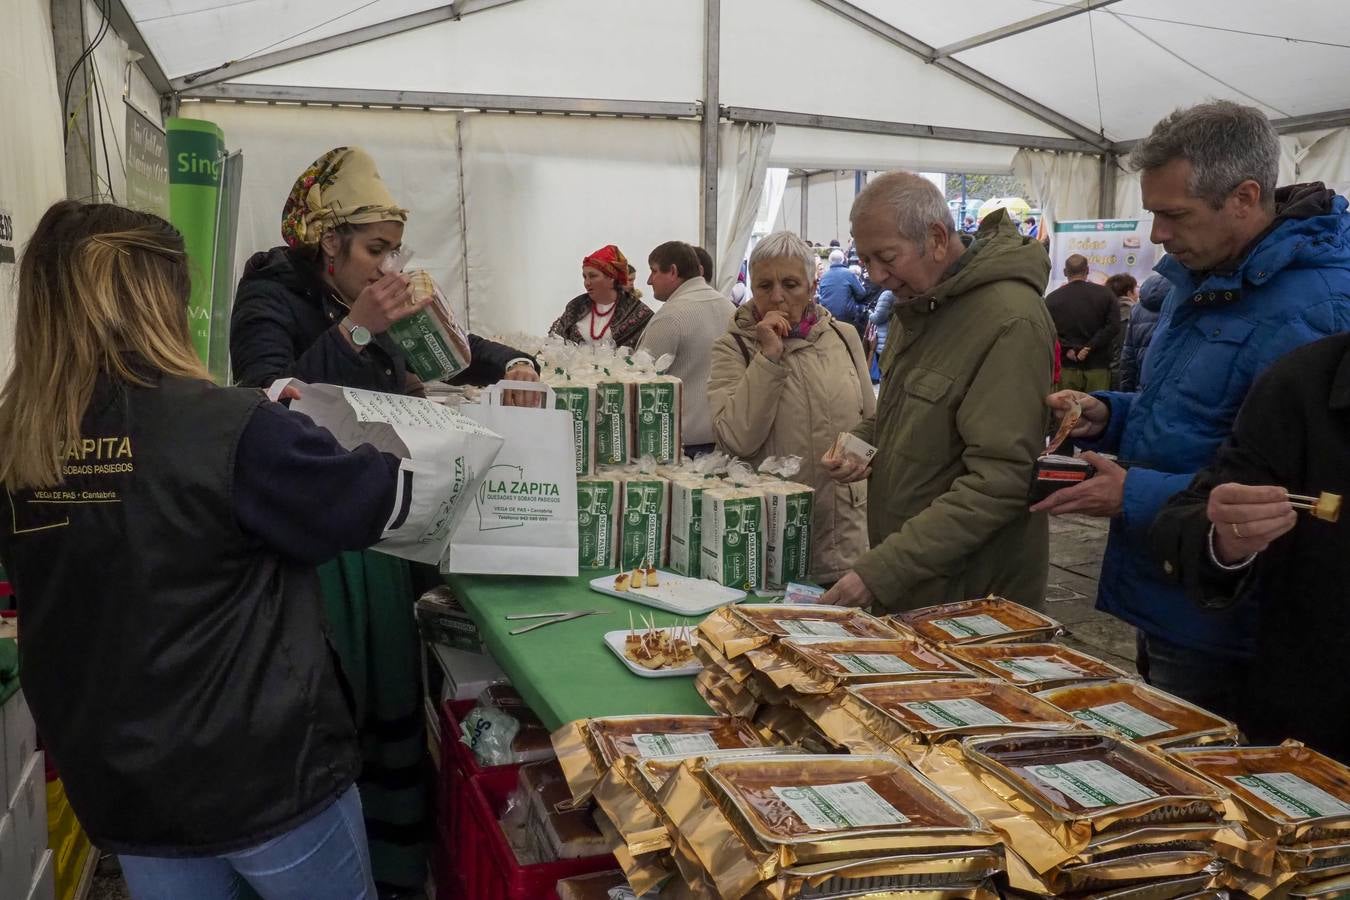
(434, 345)
(984, 621)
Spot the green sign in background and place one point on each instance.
(196, 154)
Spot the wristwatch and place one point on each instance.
(359, 334)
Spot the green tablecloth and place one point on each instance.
(565, 671)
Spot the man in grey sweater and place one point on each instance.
(692, 315)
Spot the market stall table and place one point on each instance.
(565, 671)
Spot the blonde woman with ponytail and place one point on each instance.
(161, 533)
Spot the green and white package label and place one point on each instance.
(1026, 669)
(873, 664)
(672, 744)
(835, 807)
(1129, 720)
(686, 528)
(597, 524)
(580, 402)
(960, 712)
(611, 423)
(789, 536)
(812, 628)
(972, 626)
(1091, 784)
(656, 425)
(427, 349)
(1293, 796)
(644, 524)
(732, 542)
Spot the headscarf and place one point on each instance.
(341, 187)
(610, 262)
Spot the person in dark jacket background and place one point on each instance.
(842, 293)
(1233, 535)
(173, 640)
(1087, 317)
(317, 310)
(1139, 329)
(1126, 290)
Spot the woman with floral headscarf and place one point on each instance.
(317, 309)
(610, 309)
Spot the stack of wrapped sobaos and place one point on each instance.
(943, 751)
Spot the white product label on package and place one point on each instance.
(834, 807)
(873, 663)
(812, 628)
(972, 626)
(1130, 721)
(1292, 795)
(672, 744)
(1026, 669)
(957, 713)
(1091, 784)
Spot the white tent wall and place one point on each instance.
(32, 162)
(829, 197)
(1067, 185)
(818, 148)
(742, 179)
(626, 49)
(415, 152)
(541, 192)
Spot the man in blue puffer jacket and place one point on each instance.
(1256, 272)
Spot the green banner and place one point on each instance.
(222, 301)
(196, 155)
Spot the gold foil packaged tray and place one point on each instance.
(644, 736)
(1291, 792)
(733, 630)
(1141, 713)
(1096, 778)
(822, 666)
(984, 621)
(1035, 667)
(906, 713)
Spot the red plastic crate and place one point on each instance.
(485, 861)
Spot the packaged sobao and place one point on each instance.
(988, 620)
(1141, 713)
(747, 823)
(435, 347)
(788, 557)
(686, 523)
(579, 398)
(1035, 667)
(599, 509)
(646, 518)
(733, 539)
(613, 417)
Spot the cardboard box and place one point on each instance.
(613, 418)
(646, 519)
(30, 819)
(733, 550)
(656, 420)
(789, 506)
(580, 401)
(20, 742)
(441, 620)
(466, 674)
(599, 507)
(686, 524)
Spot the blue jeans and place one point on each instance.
(1215, 683)
(325, 858)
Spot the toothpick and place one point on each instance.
(631, 630)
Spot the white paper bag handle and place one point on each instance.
(492, 395)
(274, 392)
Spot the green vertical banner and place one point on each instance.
(222, 301)
(196, 154)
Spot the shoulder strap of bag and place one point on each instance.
(849, 348)
(745, 351)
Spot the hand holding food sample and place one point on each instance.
(1247, 519)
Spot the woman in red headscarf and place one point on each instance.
(611, 309)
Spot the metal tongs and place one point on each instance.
(554, 618)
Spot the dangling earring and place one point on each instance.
(330, 266)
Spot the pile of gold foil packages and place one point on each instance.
(947, 753)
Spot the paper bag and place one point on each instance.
(599, 503)
(445, 457)
(524, 517)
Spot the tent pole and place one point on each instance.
(68, 42)
(1106, 198)
(806, 193)
(712, 53)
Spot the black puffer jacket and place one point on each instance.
(285, 322)
(1139, 331)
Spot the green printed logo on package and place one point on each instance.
(611, 418)
(576, 400)
(657, 407)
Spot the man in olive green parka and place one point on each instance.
(961, 415)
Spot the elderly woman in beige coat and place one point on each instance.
(786, 379)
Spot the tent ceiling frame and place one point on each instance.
(1332, 118)
(1020, 27)
(904, 129)
(710, 137)
(973, 77)
(236, 68)
(269, 93)
(121, 22)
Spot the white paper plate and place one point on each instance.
(674, 594)
(615, 641)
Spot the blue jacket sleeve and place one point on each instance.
(289, 472)
(1146, 492)
(1109, 442)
